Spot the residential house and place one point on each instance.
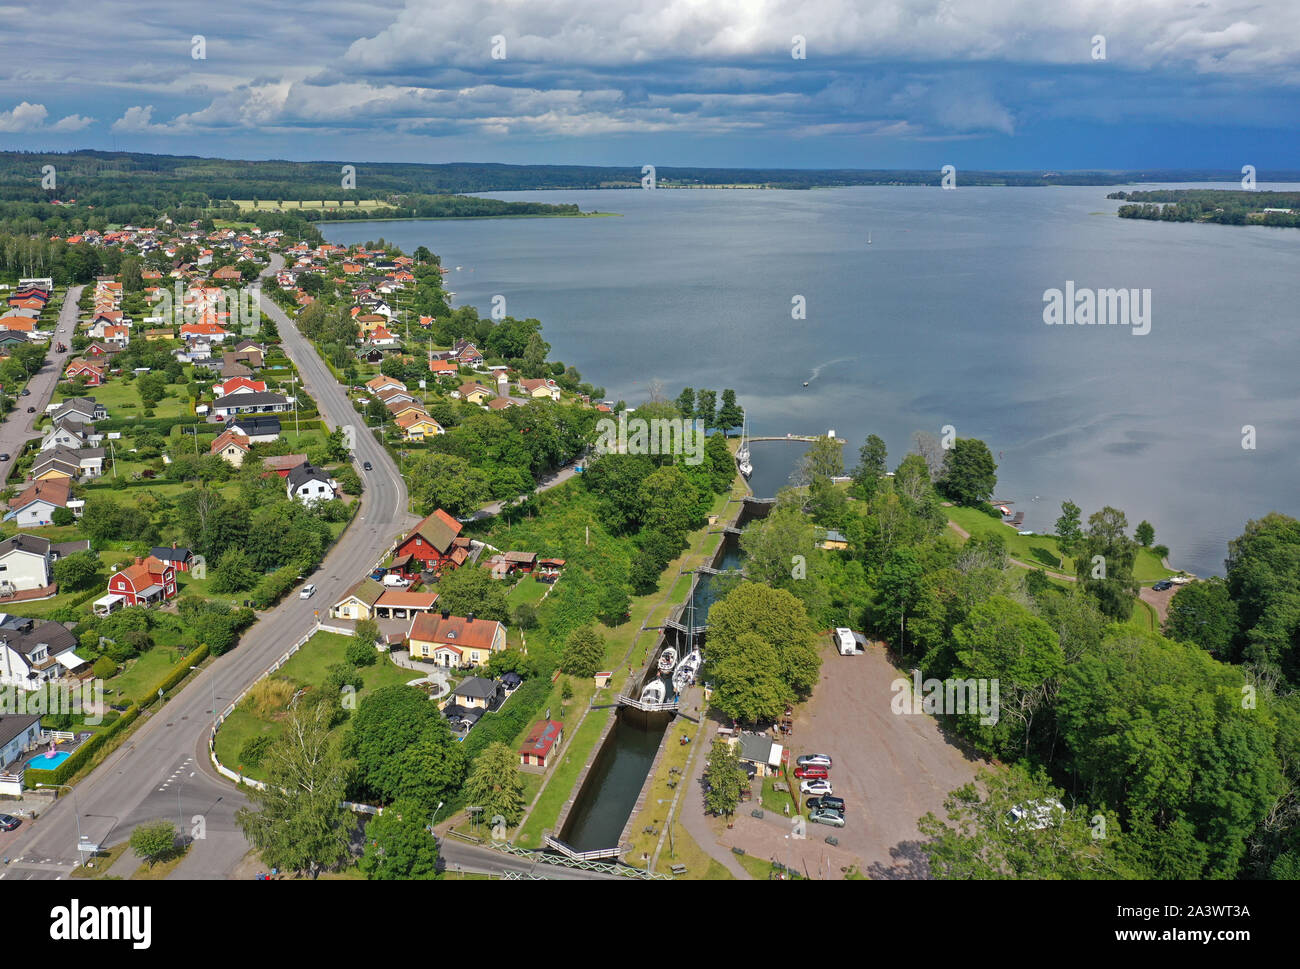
(282, 464)
(36, 505)
(34, 651)
(146, 582)
(403, 604)
(67, 463)
(833, 540)
(377, 384)
(473, 392)
(309, 484)
(258, 430)
(67, 433)
(85, 410)
(539, 388)
(417, 426)
(231, 447)
(250, 403)
(92, 373)
(178, 556)
(238, 385)
(435, 543)
(477, 693)
(761, 751)
(455, 641)
(26, 562)
(359, 601)
(18, 733)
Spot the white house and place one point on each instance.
(250, 403)
(34, 651)
(18, 732)
(309, 484)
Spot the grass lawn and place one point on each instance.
(140, 674)
(306, 668)
(526, 591)
(1144, 617)
(563, 776)
(103, 861)
(1042, 550)
(160, 870)
(759, 868)
(774, 800)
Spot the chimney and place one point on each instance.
(446, 614)
(139, 560)
(470, 617)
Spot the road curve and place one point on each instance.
(162, 771)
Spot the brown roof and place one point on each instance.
(458, 631)
(402, 599)
(439, 530)
(53, 490)
(367, 590)
(283, 462)
(227, 438)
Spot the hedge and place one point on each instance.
(517, 712)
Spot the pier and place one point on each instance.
(805, 438)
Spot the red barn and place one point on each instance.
(434, 544)
(543, 738)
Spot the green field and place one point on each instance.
(1041, 550)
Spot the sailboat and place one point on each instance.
(684, 675)
(667, 660)
(742, 452)
(654, 691)
(868, 237)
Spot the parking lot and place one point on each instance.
(889, 768)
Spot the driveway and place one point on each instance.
(17, 428)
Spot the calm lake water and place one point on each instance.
(938, 321)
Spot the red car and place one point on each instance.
(812, 772)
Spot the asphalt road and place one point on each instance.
(17, 430)
(149, 777)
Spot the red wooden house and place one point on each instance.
(432, 545)
(146, 582)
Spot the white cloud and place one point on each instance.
(138, 120)
(24, 117)
(73, 122)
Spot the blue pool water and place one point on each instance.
(48, 761)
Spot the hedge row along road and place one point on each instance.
(140, 780)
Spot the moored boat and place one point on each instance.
(667, 660)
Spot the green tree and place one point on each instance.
(671, 503)
(154, 841)
(1069, 533)
(1203, 613)
(871, 466)
(686, 402)
(77, 571)
(234, 572)
(747, 683)
(1105, 564)
(1144, 533)
(584, 652)
(969, 472)
(446, 481)
(775, 616)
(706, 408)
(398, 845)
(300, 823)
(496, 785)
(470, 590)
(724, 778)
(824, 459)
(730, 414)
(403, 746)
(984, 839)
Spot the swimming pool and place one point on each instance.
(49, 761)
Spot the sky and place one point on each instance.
(989, 84)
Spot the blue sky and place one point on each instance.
(1015, 84)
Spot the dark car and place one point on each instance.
(31, 410)
(5, 456)
(824, 802)
(367, 466)
(8, 822)
(1162, 585)
(25, 393)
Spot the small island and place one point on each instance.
(1225, 206)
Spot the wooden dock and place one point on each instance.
(805, 438)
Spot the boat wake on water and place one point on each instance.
(817, 370)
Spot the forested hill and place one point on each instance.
(114, 178)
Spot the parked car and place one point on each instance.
(367, 466)
(812, 770)
(814, 760)
(817, 787)
(827, 816)
(1162, 585)
(307, 592)
(8, 822)
(395, 581)
(817, 803)
(31, 410)
(5, 456)
(25, 393)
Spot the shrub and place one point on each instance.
(360, 653)
(104, 668)
(63, 516)
(269, 695)
(251, 754)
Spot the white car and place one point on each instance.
(817, 787)
(814, 760)
(307, 592)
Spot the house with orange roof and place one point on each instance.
(416, 426)
(93, 373)
(454, 641)
(146, 582)
(432, 545)
(231, 447)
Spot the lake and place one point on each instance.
(939, 321)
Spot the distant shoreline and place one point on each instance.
(472, 218)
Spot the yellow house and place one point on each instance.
(474, 393)
(359, 602)
(454, 641)
(416, 427)
(833, 540)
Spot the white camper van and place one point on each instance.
(846, 643)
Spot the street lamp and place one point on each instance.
(180, 818)
(435, 816)
(76, 809)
